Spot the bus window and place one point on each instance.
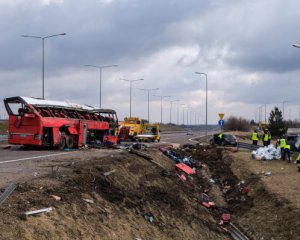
(16, 108)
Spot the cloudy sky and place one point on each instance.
(245, 47)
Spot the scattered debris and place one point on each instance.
(88, 200)
(267, 153)
(268, 173)
(110, 172)
(8, 191)
(149, 217)
(45, 210)
(185, 168)
(57, 198)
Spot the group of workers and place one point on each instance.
(266, 138)
(284, 147)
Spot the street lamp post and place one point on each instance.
(130, 98)
(161, 108)
(100, 73)
(201, 73)
(283, 103)
(171, 103)
(43, 57)
(187, 120)
(148, 90)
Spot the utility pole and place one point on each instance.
(130, 98)
(201, 73)
(161, 106)
(100, 74)
(148, 90)
(283, 103)
(43, 56)
(171, 103)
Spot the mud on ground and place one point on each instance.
(121, 199)
(137, 186)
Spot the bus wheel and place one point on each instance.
(69, 142)
(62, 142)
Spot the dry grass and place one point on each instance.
(3, 127)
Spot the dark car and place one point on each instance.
(293, 140)
(227, 139)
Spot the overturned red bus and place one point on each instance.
(38, 122)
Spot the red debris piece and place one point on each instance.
(208, 204)
(225, 218)
(244, 190)
(185, 168)
(182, 177)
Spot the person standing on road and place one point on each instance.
(220, 137)
(254, 137)
(298, 162)
(287, 151)
(265, 138)
(282, 143)
(269, 137)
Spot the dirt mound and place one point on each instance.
(108, 198)
(261, 214)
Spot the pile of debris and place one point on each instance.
(267, 153)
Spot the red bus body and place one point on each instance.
(37, 122)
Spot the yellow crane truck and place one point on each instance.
(150, 133)
(131, 127)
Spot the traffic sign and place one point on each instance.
(221, 115)
(221, 122)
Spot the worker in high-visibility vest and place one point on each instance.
(269, 137)
(254, 137)
(282, 143)
(287, 151)
(298, 163)
(265, 138)
(220, 137)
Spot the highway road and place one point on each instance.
(18, 154)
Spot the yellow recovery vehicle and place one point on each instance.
(151, 133)
(131, 127)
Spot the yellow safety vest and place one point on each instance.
(298, 158)
(287, 147)
(266, 137)
(282, 142)
(254, 136)
(220, 135)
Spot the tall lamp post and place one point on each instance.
(131, 81)
(201, 73)
(183, 105)
(161, 108)
(148, 90)
(187, 119)
(100, 72)
(171, 103)
(43, 56)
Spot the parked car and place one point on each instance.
(227, 139)
(189, 132)
(294, 141)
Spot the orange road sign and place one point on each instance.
(221, 115)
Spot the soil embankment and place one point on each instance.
(112, 197)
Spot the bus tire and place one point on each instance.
(69, 141)
(62, 142)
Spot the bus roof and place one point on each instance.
(49, 103)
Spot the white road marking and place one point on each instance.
(30, 158)
(191, 139)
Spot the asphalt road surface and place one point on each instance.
(17, 154)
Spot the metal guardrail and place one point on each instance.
(7, 192)
(3, 137)
(236, 234)
(248, 146)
